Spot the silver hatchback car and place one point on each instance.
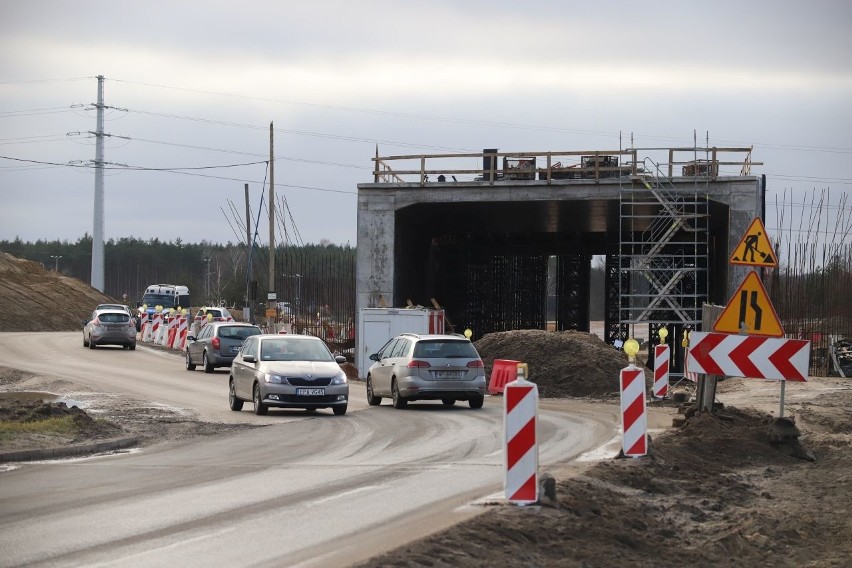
(109, 327)
(287, 371)
(427, 367)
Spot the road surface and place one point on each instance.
(306, 490)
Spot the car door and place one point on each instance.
(242, 371)
(398, 359)
(380, 373)
(197, 346)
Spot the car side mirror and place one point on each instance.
(374, 357)
(190, 338)
(249, 358)
(340, 359)
(85, 322)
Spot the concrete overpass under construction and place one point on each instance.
(491, 243)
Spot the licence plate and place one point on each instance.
(310, 392)
(235, 349)
(448, 374)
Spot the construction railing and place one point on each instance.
(590, 165)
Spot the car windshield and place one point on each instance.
(294, 350)
(164, 300)
(238, 331)
(446, 349)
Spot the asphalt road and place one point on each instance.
(307, 490)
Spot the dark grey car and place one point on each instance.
(217, 344)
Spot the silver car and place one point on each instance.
(217, 344)
(109, 327)
(287, 371)
(427, 367)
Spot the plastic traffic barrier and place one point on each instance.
(634, 419)
(502, 372)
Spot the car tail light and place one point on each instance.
(215, 343)
(97, 322)
(475, 364)
(131, 323)
(415, 363)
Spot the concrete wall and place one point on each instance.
(575, 205)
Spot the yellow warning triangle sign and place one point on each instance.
(750, 310)
(754, 249)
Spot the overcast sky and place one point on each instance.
(196, 84)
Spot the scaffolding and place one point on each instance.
(664, 251)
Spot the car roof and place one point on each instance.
(434, 336)
(112, 306)
(232, 324)
(112, 311)
(294, 336)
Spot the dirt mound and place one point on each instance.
(80, 427)
(35, 299)
(561, 363)
(717, 492)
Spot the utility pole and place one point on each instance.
(97, 279)
(247, 308)
(271, 298)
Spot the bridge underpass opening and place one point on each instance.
(494, 266)
(527, 265)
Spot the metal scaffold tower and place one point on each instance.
(663, 252)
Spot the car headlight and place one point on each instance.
(274, 379)
(339, 379)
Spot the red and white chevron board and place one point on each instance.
(634, 419)
(661, 371)
(521, 409)
(749, 356)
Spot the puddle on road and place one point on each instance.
(39, 396)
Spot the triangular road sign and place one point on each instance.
(750, 307)
(754, 249)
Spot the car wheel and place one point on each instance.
(132, 347)
(85, 343)
(372, 399)
(448, 401)
(91, 344)
(339, 410)
(259, 408)
(476, 401)
(190, 366)
(235, 403)
(208, 368)
(398, 401)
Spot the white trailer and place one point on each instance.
(376, 326)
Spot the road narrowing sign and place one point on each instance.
(750, 307)
(754, 249)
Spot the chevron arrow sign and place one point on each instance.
(749, 356)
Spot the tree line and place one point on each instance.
(311, 277)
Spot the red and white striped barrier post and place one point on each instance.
(172, 329)
(662, 356)
(183, 331)
(157, 323)
(634, 418)
(143, 326)
(520, 403)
